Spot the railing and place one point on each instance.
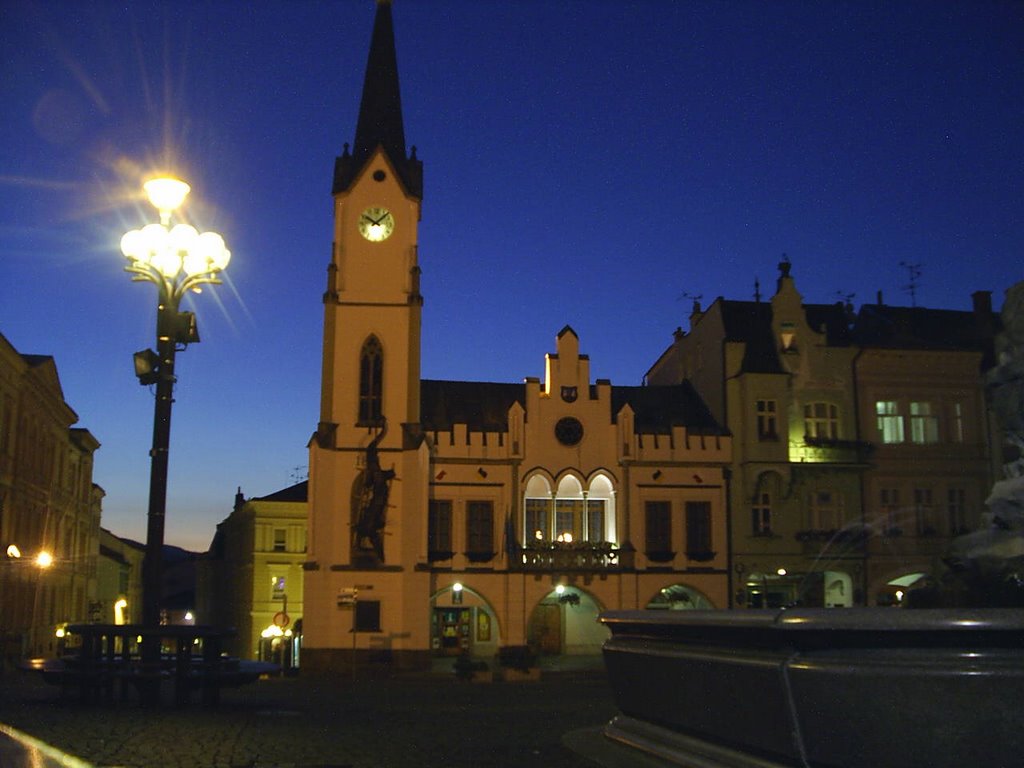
(582, 556)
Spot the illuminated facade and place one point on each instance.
(119, 580)
(923, 407)
(251, 577)
(451, 516)
(48, 504)
(861, 441)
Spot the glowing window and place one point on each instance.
(889, 421)
(924, 424)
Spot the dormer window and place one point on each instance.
(787, 335)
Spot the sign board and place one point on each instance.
(347, 597)
(281, 619)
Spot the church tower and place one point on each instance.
(368, 486)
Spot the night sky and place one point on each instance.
(592, 163)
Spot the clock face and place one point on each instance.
(376, 224)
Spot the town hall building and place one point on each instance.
(450, 517)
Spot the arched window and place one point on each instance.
(571, 513)
(371, 369)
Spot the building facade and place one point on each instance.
(251, 578)
(49, 506)
(450, 516)
(119, 580)
(862, 441)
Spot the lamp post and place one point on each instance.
(176, 259)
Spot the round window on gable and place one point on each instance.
(379, 175)
(569, 431)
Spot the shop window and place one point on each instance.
(658, 536)
(439, 529)
(698, 530)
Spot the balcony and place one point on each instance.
(827, 450)
(575, 557)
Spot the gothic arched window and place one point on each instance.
(371, 369)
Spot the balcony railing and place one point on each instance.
(576, 557)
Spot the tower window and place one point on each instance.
(371, 369)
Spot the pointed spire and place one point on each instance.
(380, 113)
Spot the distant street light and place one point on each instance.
(176, 259)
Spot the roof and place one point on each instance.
(298, 492)
(380, 121)
(751, 322)
(482, 406)
(888, 327)
(660, 408)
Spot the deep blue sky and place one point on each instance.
(589, 162)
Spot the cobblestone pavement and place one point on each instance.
(419, 721)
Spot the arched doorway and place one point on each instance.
(679, 597)
(565, 622)
(461, 621)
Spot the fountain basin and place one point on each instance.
(829, 688)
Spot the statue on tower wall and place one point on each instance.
(370, 502)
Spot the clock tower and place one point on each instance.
(367, 485)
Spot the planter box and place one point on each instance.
(513, 675)
(839, 688)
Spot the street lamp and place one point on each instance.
(177, 259)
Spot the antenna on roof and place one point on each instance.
(846, 298)
(757, 290)
(914, 273)
(299, 474)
